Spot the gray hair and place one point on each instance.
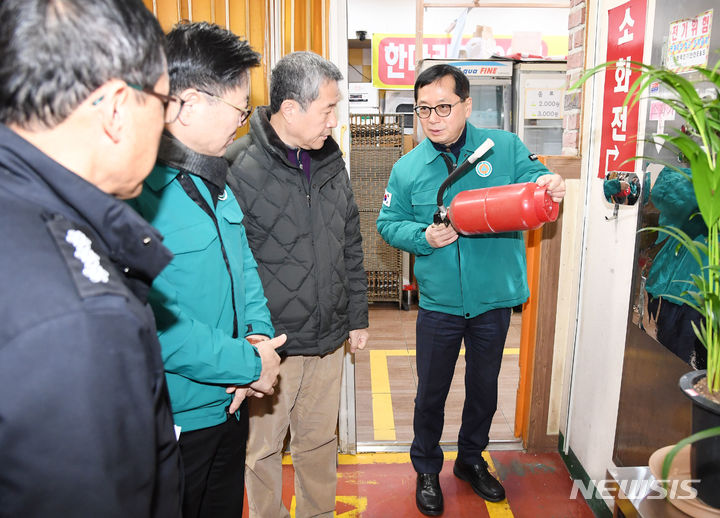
(55, 53)
(299, 76)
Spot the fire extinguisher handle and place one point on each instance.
(441, 217)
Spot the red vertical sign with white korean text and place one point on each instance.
(626, 35)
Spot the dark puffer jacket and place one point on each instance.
(305, 237)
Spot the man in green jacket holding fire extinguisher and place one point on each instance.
(468, 284)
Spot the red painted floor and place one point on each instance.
(383, 486)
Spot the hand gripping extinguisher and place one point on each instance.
(505, 208)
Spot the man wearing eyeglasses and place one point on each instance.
(467, 284)
(85, 421)
(209, 302)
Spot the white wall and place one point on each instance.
(605, 284)
(398, 17)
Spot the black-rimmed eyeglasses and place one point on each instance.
(173, 105)
(244, 111)
(442, 110)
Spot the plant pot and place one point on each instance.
(705, 454)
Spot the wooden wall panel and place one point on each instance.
(185, 11)
(203, 11)
(239, 17)
(535, 432)
(258, 36)
(528, 334)
(317, 39)
(168, 13)
(287, 27)
(303, 24)
(221, 14)
(300, 24)
(652, 412)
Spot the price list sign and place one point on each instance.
(543, 103)
(626, 35)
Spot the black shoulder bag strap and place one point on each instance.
(191, 189)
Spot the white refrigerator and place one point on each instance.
(538, 92)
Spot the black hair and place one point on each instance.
(299, 76)
(55, 53)
(437, 72)
(204, 55)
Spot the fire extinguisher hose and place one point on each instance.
(441, 214)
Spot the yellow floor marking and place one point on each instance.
(379, 375)
(496, 509)
(358, 502)
(372, 458)
(383, 418)
(383, 458)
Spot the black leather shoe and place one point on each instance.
(428, 495)
(482, 482)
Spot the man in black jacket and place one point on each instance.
(303, 227)
(85, 423)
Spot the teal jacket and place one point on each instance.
(476, 273)
(673, 266)
(191, 299)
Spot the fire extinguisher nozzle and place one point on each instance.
(481, 150)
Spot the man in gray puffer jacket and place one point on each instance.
(303, 226)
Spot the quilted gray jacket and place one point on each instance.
(305, 237)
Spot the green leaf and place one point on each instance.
(704, 434)
(700, 146)
(684, 239)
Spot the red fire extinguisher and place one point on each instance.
(505, 208)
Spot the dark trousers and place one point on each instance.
(674, 330)
(214, 462)
(439, 337)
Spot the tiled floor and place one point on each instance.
(385, 379)
(382, 485)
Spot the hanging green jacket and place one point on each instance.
(192, 303)
(476, 273)
(673, 266)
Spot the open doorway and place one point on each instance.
(386, 382)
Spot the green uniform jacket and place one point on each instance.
(673, 266)
(476, 273)
(191, 299)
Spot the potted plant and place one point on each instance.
(700, 146)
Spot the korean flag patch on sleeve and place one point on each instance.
(387, 198)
